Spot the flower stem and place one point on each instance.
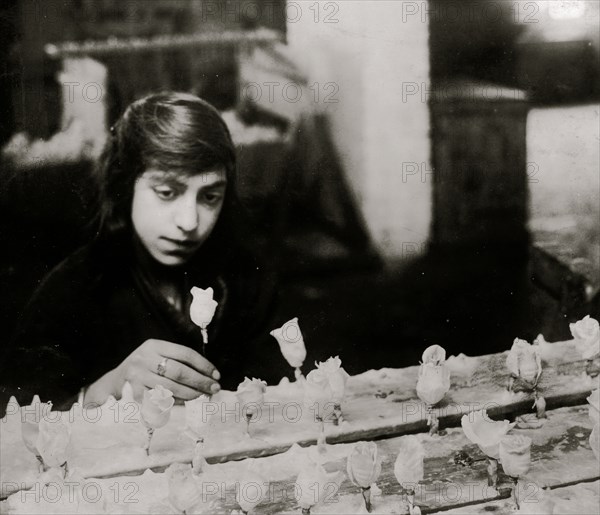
(366, 493)
(540, 405)
(492, 471)
(204, 332)
(515, 491)
(337, 414)
(198, 460)
(248, 419)
(149, 433)
(65, 467)
(432, 421)
(298, 374)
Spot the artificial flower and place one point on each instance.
(433, 383)
(251, 394)
(30, 421)
(183, 490)
(363, 465)
(203, 306)
(53, 441)
(462, 365)
(524, 361)
(291, 342)
(587, 331)
(434, 354)
(317, 392)
(197, 416)
(409, 468)
(515, 454)
(156, 406)
(484, 432)
(337, 377)
(251, 490)
(314, 486)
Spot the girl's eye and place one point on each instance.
(212, 198)
(165, 193)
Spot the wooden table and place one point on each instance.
(383, 407)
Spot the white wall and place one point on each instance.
(563, 154)
(369, 52)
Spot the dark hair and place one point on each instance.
(170, 131)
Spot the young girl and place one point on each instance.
(118, 309)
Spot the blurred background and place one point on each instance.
(419, 171)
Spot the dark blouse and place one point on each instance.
(92, 311)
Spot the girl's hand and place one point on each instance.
(182, 370)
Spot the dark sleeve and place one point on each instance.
(261, 354)
(46, 353)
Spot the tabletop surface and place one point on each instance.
(380, 406)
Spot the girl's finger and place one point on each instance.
(187, 376)
(188, 357)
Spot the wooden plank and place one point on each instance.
(560, 456)
(378, 404)
(578, 499)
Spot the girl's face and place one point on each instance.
(173, 214)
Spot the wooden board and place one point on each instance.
(378, 404)
(560, 456)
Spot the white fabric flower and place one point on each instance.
(251, 490)
(434, 354)
(53, 441)
(484, 432)
(587, 331)
(433, 383)
(337, 377)
(515, 454)
(524, 360)
(251, 394)
(317, 392)
(291, 342)
(183, 490)
(203, 306)
(156, 406)
(197, 417)
(363, 465)
(409, 468)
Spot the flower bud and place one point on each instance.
(433, 383)
(53, 441)
(587, 331)
(434, 354)
(524, 360)
(203, 306)
(484, 432)
(291, 342)
(156, 407)
(363, 464)
(251, 491)
(251, 394)
(337, 377)
(183, 490)
(196, 417)
(317, 392)
(409, 468)
(515, 454)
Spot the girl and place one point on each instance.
(118, 309)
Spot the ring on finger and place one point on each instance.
(161, 368)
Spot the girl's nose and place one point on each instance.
(186, 215)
